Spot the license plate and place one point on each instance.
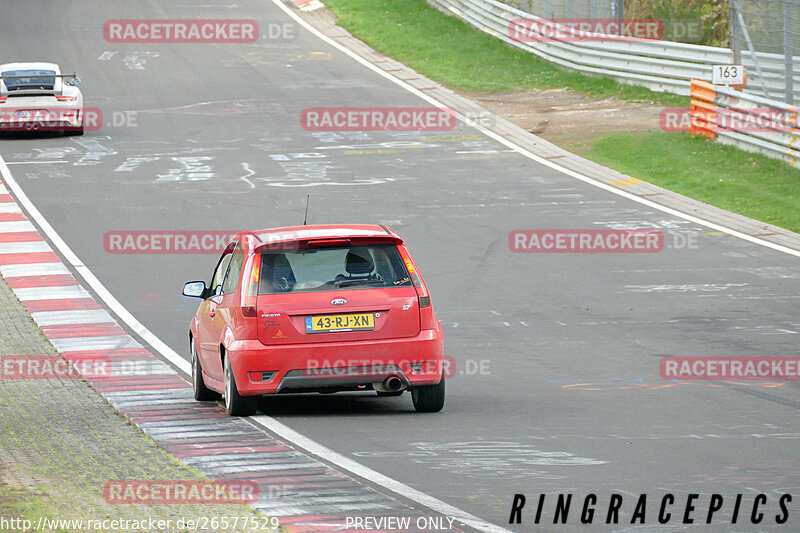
(338, 323)
(36, 114)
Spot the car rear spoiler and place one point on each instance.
(314, 242)
(75, 80)
(73, 75)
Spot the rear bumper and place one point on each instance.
(59, 120)
(333, 365)
(48, 125)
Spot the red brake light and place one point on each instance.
(66, 98)
(422, 292)
(412, 272)
(252, 278)
(255, 277)
(328, 242)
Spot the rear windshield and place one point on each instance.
(34, 79)
(332, 268)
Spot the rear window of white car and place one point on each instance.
(332, 268)
(33, 79)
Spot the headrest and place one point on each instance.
(359, 262)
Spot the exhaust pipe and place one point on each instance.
(393, 384)
(390, 384)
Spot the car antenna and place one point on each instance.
(305, 218)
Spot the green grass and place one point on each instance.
(711, 15)
(746, 183)
(17, 504)
(450, 51)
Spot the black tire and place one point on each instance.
(430, 398)
(383, 394)
(78, 131)
(201, 392)
(235, 404)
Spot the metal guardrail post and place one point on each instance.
(548, 10)
(750, 47)
(618, 11)
(788, 52)
(736, 41)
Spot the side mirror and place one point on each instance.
(195, 289)
(74, 81)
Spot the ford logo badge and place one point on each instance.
(338, 301)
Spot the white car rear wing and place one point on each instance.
(74, 81)
(57, 89)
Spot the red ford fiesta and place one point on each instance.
(315, 309)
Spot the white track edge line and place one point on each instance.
(530, 155)
(367, 473)
(89, 277)
(267, 422)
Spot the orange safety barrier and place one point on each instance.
(703, 110)
(748, 121)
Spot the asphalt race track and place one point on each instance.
(556, 386)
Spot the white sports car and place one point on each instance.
(36, 96)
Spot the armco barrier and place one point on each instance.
(750, 122)
(659, 65)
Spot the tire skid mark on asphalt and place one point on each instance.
(643, 386)
(304, 493)
(477, 459)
